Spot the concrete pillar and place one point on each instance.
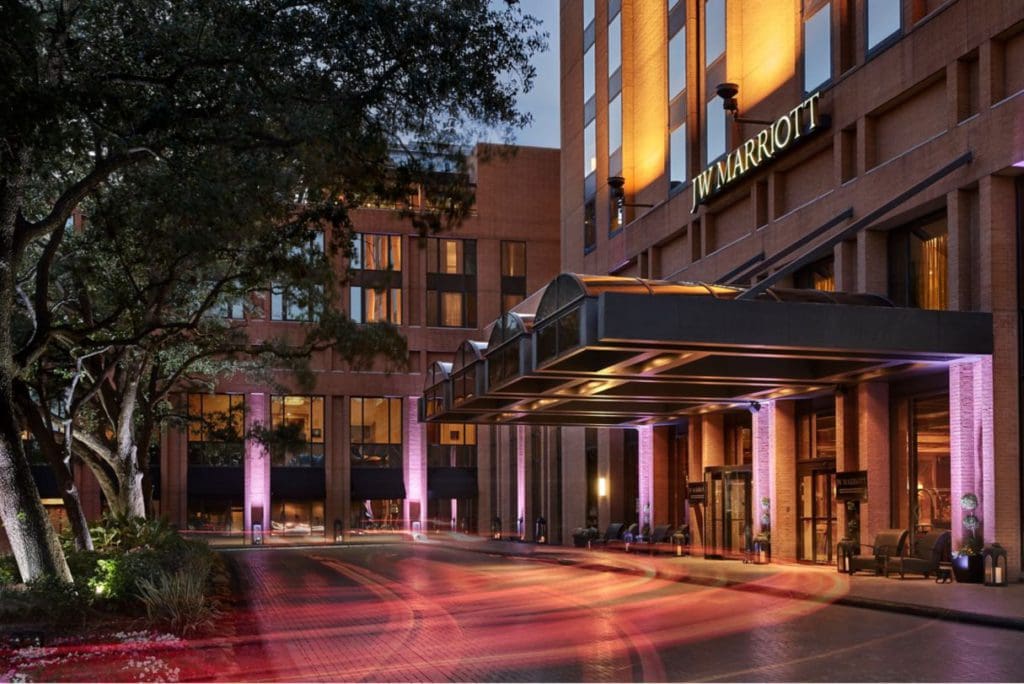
(661, 508)
(520, 456)
(782, 475)
(873, 444)
(574, 480)
(336, 465)
(257, 464)
(695, 466)
(846, 449)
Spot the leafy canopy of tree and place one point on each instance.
(284, 115)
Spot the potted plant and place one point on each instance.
(968, 564)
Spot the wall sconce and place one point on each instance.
(618, 194)
(728, 92)
(602, 486)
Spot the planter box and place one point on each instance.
(969, 569)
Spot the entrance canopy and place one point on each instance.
(615, 351)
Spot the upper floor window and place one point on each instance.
(513, 259)
(451, 445)
(451, 283)
(615, 44)
(297, 431)
(298, 303)
(918, 264)
(884, 21)
(714, 30)
(716, 129)
(818, 48)
(677, 63)
(817, 276)
(677, 156)
(216, 429)
(816, 432)
(376, 252)
(589, 224)
(588, 12)
(590, 148)
(614, 124)
(589, 74)
(375, 425)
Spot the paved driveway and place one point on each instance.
(422, 612)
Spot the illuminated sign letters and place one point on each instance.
(769, 143)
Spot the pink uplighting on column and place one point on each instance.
(645, 442)
(972, 457)
(521, 477)
(762, 444)
(414, 462)
(257, 463)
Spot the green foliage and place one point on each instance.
(9, 571)
(45, 599)
(178, 600)
(127, 533)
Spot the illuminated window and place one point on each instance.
(883, 22)
(375, 295)
(716, 125)
(677, 156)
(677, 63)
(918, 264)
(216, 429)
(451, 283)
(817, 276)
(513, 273)
(375, 425)
(297, 431)
(451, 445)
(818, 48)
(714, 30)
(590, 148)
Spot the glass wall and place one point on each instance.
(919, 265)
(297, 425)
(216, 429)
(376, 432)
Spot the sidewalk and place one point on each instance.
(968, 603)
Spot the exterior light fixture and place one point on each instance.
(728, 93)
(618, 194)
(995, 565)
(602, 486)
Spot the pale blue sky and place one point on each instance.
(542, 100)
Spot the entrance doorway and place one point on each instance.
(727, 528)
(816, 510)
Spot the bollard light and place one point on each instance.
(995, 565)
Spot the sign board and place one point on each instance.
(852, 486)
(781, 135)
(696, 492)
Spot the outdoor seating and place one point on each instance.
(888, 544)
(613, 533)
(923, 556)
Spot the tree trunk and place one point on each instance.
(32, 537)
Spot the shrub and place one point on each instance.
(45, 598)
(177, 601)
(9, 571)
(125, 533)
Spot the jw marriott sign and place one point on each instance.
(759, 150)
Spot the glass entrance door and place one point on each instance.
(817, 512)
(727, 526)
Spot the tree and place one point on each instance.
(322, 92)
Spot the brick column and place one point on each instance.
(257, 464)
(521, 478)
(873, 443)
(415, 464)
(782, 474)
(970, 444)
(761, 441)
(645, 442)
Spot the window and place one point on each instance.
(715, 129)
(590, 148)
(918, 264)
(818, 49)
(817, 276)
(451, 445)
(297, 431)
(714, 29)
(922, 473)
(589, 69)
(677, 63)
(883, 21)
(614, 45)
(376, 432)
(614, 125)
(451, 283)
(295, 303)
(513, 273)
(739, 448)
(677, 156)
(375, 295)
(216, 429)
(588, 12)
(589, 224)
(816, 433)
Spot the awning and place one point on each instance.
(377, 483)
(605, 350)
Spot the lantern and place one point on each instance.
(994, 557)
(762, 550)
(847, 549)
(496, 528)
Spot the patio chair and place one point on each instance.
(924, 555)
(613, 533)
(888, 544)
